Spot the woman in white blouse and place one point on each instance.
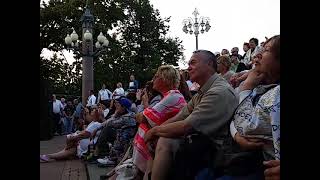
(256, 122)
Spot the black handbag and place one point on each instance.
(194, 154)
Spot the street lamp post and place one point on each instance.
(192, 25)
(86, 52)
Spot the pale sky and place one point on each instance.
(233, 22)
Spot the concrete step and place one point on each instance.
(60, 170)
(74, 170)
(94, 172)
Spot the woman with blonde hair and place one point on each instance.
(166, 81)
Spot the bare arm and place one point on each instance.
(145, 99)
(171, 130)
(172, 120)
(81, 135)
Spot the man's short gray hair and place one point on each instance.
(209, 57)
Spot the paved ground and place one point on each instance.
(95, 172)
(68, 169)
(60, 170)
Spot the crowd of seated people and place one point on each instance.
(219, 119)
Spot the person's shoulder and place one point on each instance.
(218, 83)
(275, 91)
(172, 95)
(175, 93)
(221, 86)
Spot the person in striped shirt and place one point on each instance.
(165, 81)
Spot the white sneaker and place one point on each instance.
(106, 161)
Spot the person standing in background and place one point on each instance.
(57, 108)
(104, 95)
(118, 92)
(133, 84)
(91, 99)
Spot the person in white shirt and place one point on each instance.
(63, 102)
(77, 143)
(254, 48)
(57, 108)
(104, 94)
(246, 55)
(91, 99)
(62, 121)
(118, 92)
(133, 84)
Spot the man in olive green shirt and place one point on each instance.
(208, 112)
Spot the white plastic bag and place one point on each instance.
(126, 171)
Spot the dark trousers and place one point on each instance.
(107, 135)
(57, 124)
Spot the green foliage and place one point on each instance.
(138, 46)
(60, 76)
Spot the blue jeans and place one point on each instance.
(68, 125)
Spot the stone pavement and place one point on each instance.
(95, 172)
(60, 170)
(69, 169)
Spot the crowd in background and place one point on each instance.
(220, 118)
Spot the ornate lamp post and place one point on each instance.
(86, 50)
(192, 25)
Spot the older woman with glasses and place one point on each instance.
(256, 122)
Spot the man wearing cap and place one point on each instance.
(118, 130)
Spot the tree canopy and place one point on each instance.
(138, 44)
